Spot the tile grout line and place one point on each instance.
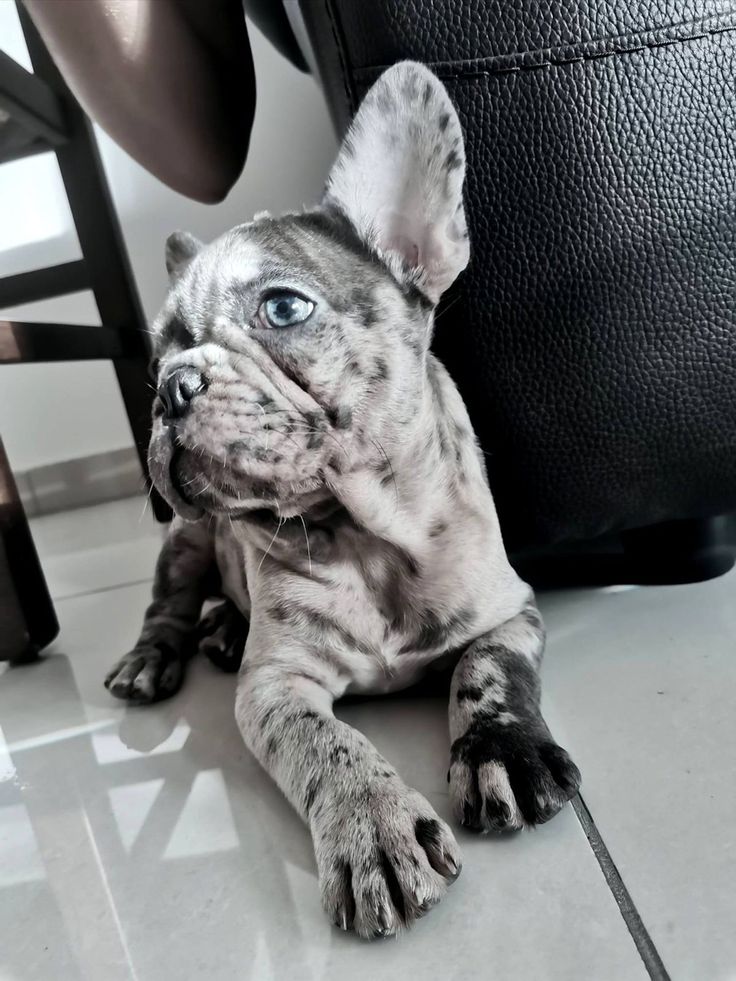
(101, 589)
(634, 923)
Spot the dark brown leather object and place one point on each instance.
(27, 618)
(594, 333)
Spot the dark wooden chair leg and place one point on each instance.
(27, 618)
(105, 256)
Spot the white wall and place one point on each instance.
(57, 412)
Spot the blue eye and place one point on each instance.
(285, 310)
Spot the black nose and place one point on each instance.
(178, 390)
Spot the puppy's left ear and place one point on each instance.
(181, 248)
(399, 178)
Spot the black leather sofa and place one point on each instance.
(594, 333)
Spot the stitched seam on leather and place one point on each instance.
(606, 48)
(336, 36)
(559, 62)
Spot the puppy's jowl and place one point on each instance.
(324, 470)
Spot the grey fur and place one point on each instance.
(330, 474)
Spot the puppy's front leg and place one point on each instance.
(506, 769)
(383, 856)
(155, 667)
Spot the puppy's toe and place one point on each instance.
(506, 777)
(146, 674)
(385, 859)
(221, 636)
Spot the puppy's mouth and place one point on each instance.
(179, 486)
(196, 481)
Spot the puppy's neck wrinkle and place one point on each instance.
(432, 475)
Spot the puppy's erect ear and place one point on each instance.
(399, 178)
(181, 248)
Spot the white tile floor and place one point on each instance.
(147, 844)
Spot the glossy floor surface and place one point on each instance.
(146, 843)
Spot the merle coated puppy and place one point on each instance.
(320, 458)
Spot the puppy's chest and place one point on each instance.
(383, 616)
(387, 630)
(375, 620)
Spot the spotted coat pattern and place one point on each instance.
(327, 481)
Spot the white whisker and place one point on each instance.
(306, 539)
(275, 535)
(391, 469)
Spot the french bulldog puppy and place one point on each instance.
(323, 469)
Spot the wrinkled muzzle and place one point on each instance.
(229, 437)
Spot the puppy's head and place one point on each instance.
(292, 348)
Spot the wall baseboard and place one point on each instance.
(80, 482)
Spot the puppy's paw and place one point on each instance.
(503, 777)
(384, 858)
(221, 636)
(146, 674)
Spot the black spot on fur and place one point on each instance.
(417, 298)
(175, 331)
(267, 716)
(443, 121)
(437, 529)
(313, 788)
(453, 161)
(340, 417)
(412, 566)
(427, 832)
(472, 693)
(278, 612)
(435, 632)
(380, 373)
(369, 316)
(442, 441)
(340, 755)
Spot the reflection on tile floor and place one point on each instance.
(147, 844)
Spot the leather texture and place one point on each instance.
(593, 336)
